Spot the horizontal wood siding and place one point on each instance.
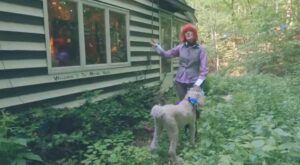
(78, 102)
(24, 77)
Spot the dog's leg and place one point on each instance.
(198, 115)
(172, 129)
(157, 131)
(193, 132)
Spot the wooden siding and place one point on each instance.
(24, 77)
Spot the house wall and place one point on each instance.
(24, 76)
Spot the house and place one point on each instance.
(52, 51)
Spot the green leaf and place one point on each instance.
(32, 156)
(20, 141)
(113, 158)
(246, 145)
(19, 162)
(268, 148)
(237, 163)
(97, 162)
(280, 132)
(295, 154)
(2, 132)
(258, 143)
(286, 146)
(224, 160)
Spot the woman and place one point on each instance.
(193, 66)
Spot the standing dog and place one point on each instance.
(175, 117)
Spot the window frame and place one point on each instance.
(82, 54)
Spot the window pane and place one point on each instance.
(63, 26)
(94, 32)
(166, 43)
(118, 37)
(176, 31)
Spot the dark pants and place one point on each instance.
(181, 89)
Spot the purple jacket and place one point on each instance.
(192, 62)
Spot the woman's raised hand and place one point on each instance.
(153, 43)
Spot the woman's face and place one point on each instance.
(189, 36)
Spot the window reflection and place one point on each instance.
(166, 43)
(63, 27)
(176, 31)
(94, 32)
(118, 37)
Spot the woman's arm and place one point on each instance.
(174, 52)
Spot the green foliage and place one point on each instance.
(259, 125)
(116, 150)
(13, 150)
(260, 36)
(64, 135)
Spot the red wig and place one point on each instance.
(188, 27)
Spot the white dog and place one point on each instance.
(175, 117)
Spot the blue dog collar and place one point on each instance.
(193, 101)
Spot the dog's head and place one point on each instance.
(195, 93)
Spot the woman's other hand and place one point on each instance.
(153, 43)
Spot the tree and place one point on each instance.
(263, 34)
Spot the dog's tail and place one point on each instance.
(157, 111)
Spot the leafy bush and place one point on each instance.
(13, 150)
(63, 135)
(259, 125)
(116, 150)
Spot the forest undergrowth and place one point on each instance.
(251, 119)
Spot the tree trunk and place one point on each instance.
(289, 11)
(276, 6)
(213, 34)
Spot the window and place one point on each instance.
(166, 39)
(118, 37)
(176, 28)
(63, 29)
(94, 34)
(85, 34)
(176, 31)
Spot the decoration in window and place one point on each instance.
(63, 26)
(94, 32)
(118, 37)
